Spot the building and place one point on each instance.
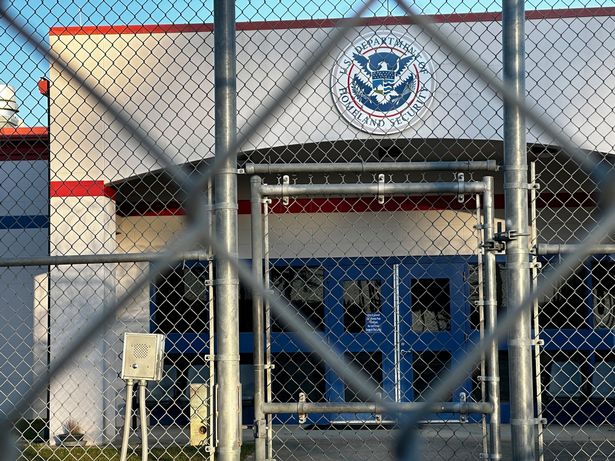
(108, 196)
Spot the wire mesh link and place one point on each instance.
(390, 283)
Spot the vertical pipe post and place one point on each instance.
(211, 415)
(227, 283)
(535, 323)
(517, 249)
(480, 306)
(258, 331)
(490, 308)
(268, 365)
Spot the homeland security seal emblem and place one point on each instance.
(382, 83)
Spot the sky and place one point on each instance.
(22, 67)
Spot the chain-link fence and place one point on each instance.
(376, 186)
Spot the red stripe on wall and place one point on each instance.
(20, 132)
(327, 23)
(80, 189)
(369, 204)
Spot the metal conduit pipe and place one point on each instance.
(372, 407)
(543, 249)
(143, 420)
(358, 190)
(199, 255)
(127, 418)
(369, 167)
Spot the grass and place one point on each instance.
(36, 452)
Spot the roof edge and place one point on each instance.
(325, 23)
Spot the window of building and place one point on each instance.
(304, 288)
(431, 304)
(603, 376)
(427, 367)
(564, 375)
(603, 294)
(362, 304)
(181, 300)
(370, 363)
(298, 372)
(567, 307)
(245, 308)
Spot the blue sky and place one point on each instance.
(21, 67)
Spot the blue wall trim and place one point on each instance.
(24, 222)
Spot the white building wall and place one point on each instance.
(165, 82)
(24, 234)
(80, 225)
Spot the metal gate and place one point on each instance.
(400, 311)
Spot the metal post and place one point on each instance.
(227, 283)
(490, 308)
(517, 249)
(480, 306)
(536, 323)
(260, 435)
(268, 363)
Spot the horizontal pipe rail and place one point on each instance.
(358, 190)
(543, 249)
(100, 259)
(369, 167)
(372, 407)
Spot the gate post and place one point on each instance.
(227, 282)
(517, 249)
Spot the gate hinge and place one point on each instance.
(302, 416)
(461, 177)
(381, 188)
(285, 182)
(463, 398)
(260, 429)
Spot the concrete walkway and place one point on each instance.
(452, 441)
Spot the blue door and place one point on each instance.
(434, 326)
(360, 322)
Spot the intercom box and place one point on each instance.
(143, 356)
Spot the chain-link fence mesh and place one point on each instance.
(103, 159)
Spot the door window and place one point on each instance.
(362, 304)
(431, 304)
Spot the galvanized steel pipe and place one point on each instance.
(197, 255)
(517, 249)
(258, 323)
(361, 190)
(372, 407)
(227, 282)
(543, 249)
(370, 167)
(492, 377)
